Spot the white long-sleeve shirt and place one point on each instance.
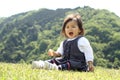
(83, 45)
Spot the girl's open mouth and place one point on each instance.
(71, 33)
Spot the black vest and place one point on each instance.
(73, 54)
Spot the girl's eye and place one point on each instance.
(67, 27)
(73, 26)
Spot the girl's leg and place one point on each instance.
(57, 61)
(65, 66)
(61, 63)
(44, 65)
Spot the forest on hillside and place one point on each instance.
(27, 36)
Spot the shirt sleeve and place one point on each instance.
(60, 48)
(85, 47)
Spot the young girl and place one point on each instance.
(76, 52)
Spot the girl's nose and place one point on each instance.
(70, 29)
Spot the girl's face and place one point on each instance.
(71, 29)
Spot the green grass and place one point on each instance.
(9, 71)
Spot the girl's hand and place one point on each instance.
(50, 52)
(90, 66)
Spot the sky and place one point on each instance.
(11, 7)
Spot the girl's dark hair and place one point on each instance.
(75, 17)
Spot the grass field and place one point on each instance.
(9, 71)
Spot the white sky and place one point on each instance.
(11, 7)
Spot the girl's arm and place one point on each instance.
(86, 48)
(53, 53)
(57, 53)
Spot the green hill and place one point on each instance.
(27, 36)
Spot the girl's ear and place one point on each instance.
(79, 31)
